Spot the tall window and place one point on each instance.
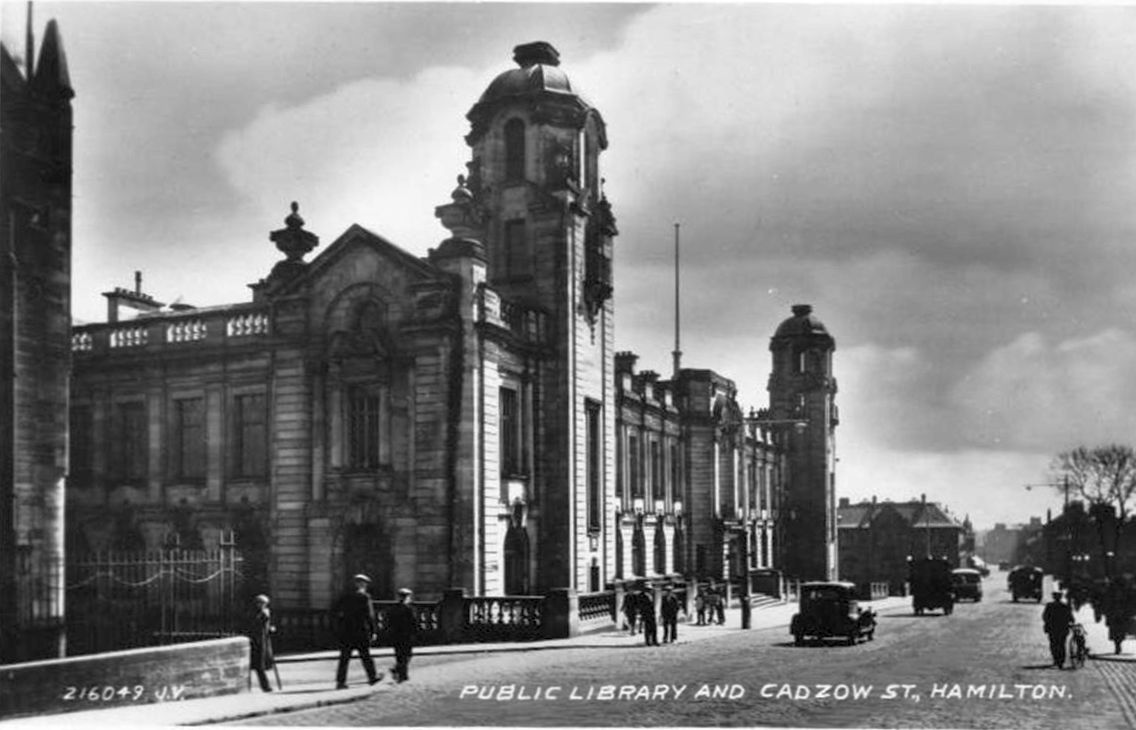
(189, 438)
(512, 459)
(81, 465)
(514, 150)
(676, 485)
(130, 452)
(250, 436)
(516, 249)
(595, 467)
(633, 466)
(656, 471)
(363, 428)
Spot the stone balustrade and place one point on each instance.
(182, 329)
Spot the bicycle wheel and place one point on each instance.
(1076, 654)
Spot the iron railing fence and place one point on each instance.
(124, 600)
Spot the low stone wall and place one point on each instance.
(133, 677)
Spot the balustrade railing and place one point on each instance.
(526, 323)
(504, 617)
(185, 330)
(597, 606)
(204, 326)
(129, 337)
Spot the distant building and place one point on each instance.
(876, 539)
(35, 355)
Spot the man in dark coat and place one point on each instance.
(647, 618)
(353, 618)
(403, 625)
(260, 630)
(669, 610)
(1056, 619)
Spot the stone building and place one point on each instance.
(876, 539)
(698, 484)
(435, 422)
(35, 362)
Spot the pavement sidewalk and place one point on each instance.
(308, 679)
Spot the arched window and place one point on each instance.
(514, 150)
(516, 562)
(660, 550)
(679, 550)
(638, 551)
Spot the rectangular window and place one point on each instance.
(595, 467)
(189, 438)
(633, 466)
(656, 472)
(130, 453)
(81, 445)
(516, 250)
(676, 484)
(512, 460)
(250, 436)
(363, 428)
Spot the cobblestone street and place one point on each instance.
(987, 665)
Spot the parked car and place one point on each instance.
(978, 564)
(967, 584)
(831, 609)
(931, 586)
(1024, 581)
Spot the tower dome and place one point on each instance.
(802, 323)
(538, 77)
(539, 71)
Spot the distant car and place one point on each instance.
(931, 587)
(831, 609)
(978, 564)
(1024, 582)
(1004, 565)
(967, 584)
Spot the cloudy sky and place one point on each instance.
(951, 188)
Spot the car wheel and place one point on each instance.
(871, 634)
(852, 639)
(798, 639)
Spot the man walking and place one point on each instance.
(403, 625)
(353, 618)
(669, 609)
(260, 630)
(1056, 619)
(648, 619)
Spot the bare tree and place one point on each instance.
(1105, 478)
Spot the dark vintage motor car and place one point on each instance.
(1024, 582)
(967, 584)
(931, 586)
(831, 609)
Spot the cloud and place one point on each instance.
(1034, 394)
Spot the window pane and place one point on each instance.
(251, 445)
(130, 454)
(190, 438)
(363, 428)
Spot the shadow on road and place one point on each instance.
(1038, 666)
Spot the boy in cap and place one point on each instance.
(354, 621)
(403, 624)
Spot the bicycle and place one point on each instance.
(1078, 651)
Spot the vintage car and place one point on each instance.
(967, 584)
(831, 609)
(931, 586)
(1024, 581)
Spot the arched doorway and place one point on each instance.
(516, 561)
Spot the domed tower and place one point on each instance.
(538, 198)
(802, 388)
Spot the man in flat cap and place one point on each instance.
(1056, 619)
(403, 624)
(353, 618)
